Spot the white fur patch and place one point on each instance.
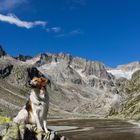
(21, 117)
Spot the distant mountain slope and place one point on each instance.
(132, 103)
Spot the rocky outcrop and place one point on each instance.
(20, 75)
(5, 64)
(23, 58)
(26, 132)
(132, 102)
(97, 69)
(2, 52)
(46, 58)
(5, 70)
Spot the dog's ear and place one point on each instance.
(44, 81)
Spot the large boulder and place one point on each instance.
(26, 132)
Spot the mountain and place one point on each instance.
(130, 67)
(22, 57)
(80, 88)
(81, 84)
(132, 102)
(126, 70)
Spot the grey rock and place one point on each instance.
(97, 69)
(26, 132)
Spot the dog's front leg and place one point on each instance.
(39, 127)
(45, 126)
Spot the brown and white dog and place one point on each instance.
(36, 109)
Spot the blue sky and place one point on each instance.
(102, 30)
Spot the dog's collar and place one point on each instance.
(38, 87)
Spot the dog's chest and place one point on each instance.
(39, 106)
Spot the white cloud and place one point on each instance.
(71, 33)
(53, 29)
(56, 29)
(12, 19)
(10, 4)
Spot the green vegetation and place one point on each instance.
(132, 106)
(4, 120)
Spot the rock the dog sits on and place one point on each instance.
(36, 109)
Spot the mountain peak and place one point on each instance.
(2, 52)
(130, 66)
(23, 57)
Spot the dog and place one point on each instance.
(36, 109)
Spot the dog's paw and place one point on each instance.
(40, 129)
(47, 131)
(47, 134)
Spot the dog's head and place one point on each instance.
(39, 82)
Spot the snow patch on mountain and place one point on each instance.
(118, 73)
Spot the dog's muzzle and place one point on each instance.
(32, 86)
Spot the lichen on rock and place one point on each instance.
(4, 120)
(13, 131)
